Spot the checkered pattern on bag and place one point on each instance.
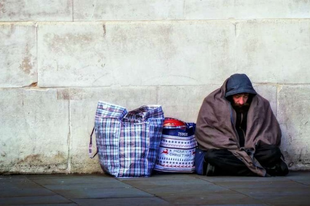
(128, 142)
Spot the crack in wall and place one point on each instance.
(104, 30)
(69, 137)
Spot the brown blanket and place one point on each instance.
(215, 127)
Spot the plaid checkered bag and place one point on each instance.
(127, 142)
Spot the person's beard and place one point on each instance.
(241, 108)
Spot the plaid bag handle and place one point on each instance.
(90, 148)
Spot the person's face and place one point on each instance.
(240, 99)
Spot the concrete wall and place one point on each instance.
(58, 59)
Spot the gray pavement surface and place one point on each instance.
(160, 189)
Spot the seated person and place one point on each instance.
(239, 132)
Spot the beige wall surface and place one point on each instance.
(58, 59)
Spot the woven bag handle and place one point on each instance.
(90, 147)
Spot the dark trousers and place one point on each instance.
(225, 163)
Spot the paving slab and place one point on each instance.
(25, 192)
(165, 180)
(55, 199)
(216, 179)
(232, 205)
(73, 179)
(160, 189)
(261, 184)
(7, 182)
(174, 185)
(150, 201)
(265, 193)
(101, 193)
(301, 177)
(211, 198)
(58, 204)
(88, 186)
(180, 189)
(301, 200)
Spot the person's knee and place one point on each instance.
(270, 151)
(213, 155)
(268, 156)
(210, 155)
(275, 152)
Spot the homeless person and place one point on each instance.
(238, 132)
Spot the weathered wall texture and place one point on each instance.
(58, 59)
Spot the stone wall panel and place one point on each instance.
(171, 53)
(183, 102)
(34, 131)
(97, 54)
(85, 10)
(36, 10)
(274, 51)
(246, 9)
(18, 63)
(269, 92)
(294, 116)
(73, 55)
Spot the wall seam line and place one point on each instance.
(72, 10)
(37, 51)
(69, 135)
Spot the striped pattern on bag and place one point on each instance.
(177, 149)
(128, 142)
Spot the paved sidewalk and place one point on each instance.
(161, 189)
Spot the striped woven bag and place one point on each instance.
(127, 142)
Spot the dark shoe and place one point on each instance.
(280, 169)
(210, 171)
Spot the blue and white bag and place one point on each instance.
(177, 149)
